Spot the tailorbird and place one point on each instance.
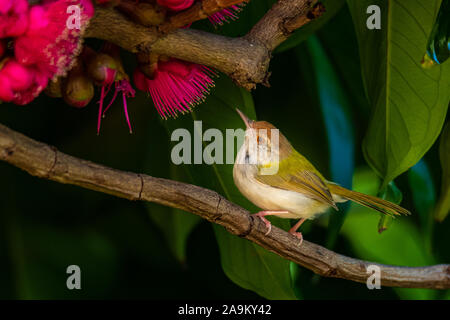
(296, 190)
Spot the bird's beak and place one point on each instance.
(248, 122)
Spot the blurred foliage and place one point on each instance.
(327, 93)
(443, 205)
(338, 123)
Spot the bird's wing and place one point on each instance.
(305, 182)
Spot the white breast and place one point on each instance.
(270, 198)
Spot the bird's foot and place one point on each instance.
(261, 215)
(298, 235)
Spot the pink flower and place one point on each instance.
(225, 15)
(48, 43)
(177, 86)
(43, 49)
(217, 18)
(20, 84)
(127, 90)
(13, 18)
(176, 5)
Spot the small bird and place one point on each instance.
(297, 190)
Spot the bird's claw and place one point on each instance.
(266, 222)
(299, 236)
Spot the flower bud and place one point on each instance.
(54, 88)
(78, 88)
(114, 51)
(20, 78)
(101, 67)
(176, 5)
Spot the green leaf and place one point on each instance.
(339, 40)
(443, 204)
(331, 6)
(245, 263)
(393, 194)
(401, 244)
(335, 111)
(409, 103)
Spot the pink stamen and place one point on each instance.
(225, 15)
(110, 103)
(102, 98)
(125, 108)
(127, 91)
(176, 86)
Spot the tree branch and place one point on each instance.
(46, 162)
(245, 60)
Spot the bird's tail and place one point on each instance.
(375, 203)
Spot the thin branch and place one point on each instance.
(46, 162)
(245, 60)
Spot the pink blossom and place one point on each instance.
(217, 18)
(225, 15)
(20, 84)
(48, 43)
(127, 90)
(177, 86)
(13, 18)
(43, 49)
(176, 5)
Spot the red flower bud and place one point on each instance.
(101, 67)
(176, 5)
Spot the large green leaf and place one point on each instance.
(443, 205)
(409, 103)
(245, 263)
(335, 110)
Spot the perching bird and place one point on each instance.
(297, 190)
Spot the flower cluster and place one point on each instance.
(36, 45)
(40, 51)
(176, 85)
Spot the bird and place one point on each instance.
(270, 173)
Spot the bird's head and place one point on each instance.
(265, 136)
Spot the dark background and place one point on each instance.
(123, 252)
